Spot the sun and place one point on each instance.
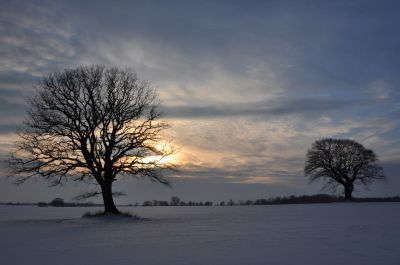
(160, 160)
(169, 156)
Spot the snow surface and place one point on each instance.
(337, 233)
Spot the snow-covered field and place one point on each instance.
(339, 233)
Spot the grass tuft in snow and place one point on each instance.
(100, 214)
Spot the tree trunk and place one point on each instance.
(109, 205)
(348, 190)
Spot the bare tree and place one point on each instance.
(175, 201)
(342, 162)
(93, 123)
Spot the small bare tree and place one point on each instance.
(93, 123)
(342, 162)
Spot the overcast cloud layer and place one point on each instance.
(247, 85)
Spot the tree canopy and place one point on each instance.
(342, 162)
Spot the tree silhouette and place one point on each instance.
(93, 124)
(175, 201)
(342, 162)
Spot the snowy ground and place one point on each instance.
(339, 233)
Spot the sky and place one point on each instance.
(247, 86)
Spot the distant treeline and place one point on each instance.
(303, 199)
(46, 204)
(176, 201)
(59, 202)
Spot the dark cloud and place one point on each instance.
(266, 108)
(9, 128)
(6, 93)
(327, 45)
(12, 108)
(17, 80)
(241, 174)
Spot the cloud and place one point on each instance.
(248, 175)
(379, 89)
(34, 39)
(12, 109)
(263, 108)
(247, 87)
(242, 150)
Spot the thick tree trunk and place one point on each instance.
(348, 190)
(109, 205)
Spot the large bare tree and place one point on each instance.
(93, 124)
(342, 162)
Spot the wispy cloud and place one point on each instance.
(379, 89)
